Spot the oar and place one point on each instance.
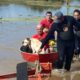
(12, 75)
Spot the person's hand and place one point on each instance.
(45, 30)
(39, 50)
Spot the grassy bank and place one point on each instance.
(34, 19)
(54, 3)
(44, 3)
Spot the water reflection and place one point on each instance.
(42, 8)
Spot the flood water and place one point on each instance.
(13, 32)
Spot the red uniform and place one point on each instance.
(46, 23)
(39, 37)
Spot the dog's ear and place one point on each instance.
(28, 39)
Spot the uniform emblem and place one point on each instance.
(65, 29)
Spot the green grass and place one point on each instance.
(44, 3)
(36, 19)
(34, 2)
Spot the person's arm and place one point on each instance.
(49, 35)
(42, 23)
(76, 23)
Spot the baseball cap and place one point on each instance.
(59, 15)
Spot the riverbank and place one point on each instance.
(35, 3)
(45, 3)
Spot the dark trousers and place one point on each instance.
(65, 51)
(77, 45)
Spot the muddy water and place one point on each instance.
(11, 36)
(12, 33)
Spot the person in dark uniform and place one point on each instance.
(76, 15)
(65, 39)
